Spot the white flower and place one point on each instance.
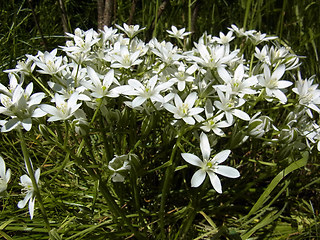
(309, 94)
(24, 67)
(209, 165)
(21, 106)
(13, 84)
(182, 75)
(28, 189)
(83, 41)
(100, 89)
(240, 32)
(214, 56)
(238, 83)
(166, 51)
(119, 164)
(259, 37)
(184, 110)
(229, 106)
(122, 58)
(224, 39)
(263, 55)
(175, 33)
(130, 30)
(272, 82)
(149, 90)
(4, 175)
(64, 109)
(213, 123)
(49, 63)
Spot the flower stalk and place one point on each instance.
(33, 179)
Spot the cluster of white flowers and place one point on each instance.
(211, 87)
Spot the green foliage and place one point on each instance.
(266, 203)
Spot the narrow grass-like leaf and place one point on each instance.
(267, 220)
(293, 166)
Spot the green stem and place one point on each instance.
(42, 86)
(248, 7)
(192, 210)
(166, 185)
(32, 177)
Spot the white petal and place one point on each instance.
(138, 101)
(49, 109)
(72, 101)
(238, 74)
(27, 124)
(227, 171)
(2, 168)
(189, 120)
(93, 76)
(205, 146)
(135, 84)
(241, 114)
(22, 203)
(284, 84)
(215, 181)
(31, 206)
(37, 175)
(223, 73)
(181, 85)
(221, 156)
(280, 95)
(152, 81)
(177, 100)
(10, 125)
(37, 113)
(278, 73)
(194, 111)
(170, 108)
(192, 159)
(191, 98)
(117, 177)
(8, 175)
(198, 178)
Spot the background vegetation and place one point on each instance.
(291, 211)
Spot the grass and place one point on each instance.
(266, 203)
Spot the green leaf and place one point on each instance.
(293, 166)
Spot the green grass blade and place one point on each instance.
(293, 166)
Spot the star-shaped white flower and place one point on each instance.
(184, 110)
(64, 109)
(143, 91)
(28, 189)
(178, 33)
(130, 30)
(209, 165)
(273, 84)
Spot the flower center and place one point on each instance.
(184, 108)
(273, 83)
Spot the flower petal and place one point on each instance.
(27, 124)
(10, 125)
(227, 171)
(138, 101)
(192, 159)
(221, 156)
(198, 178)
(205, 146)
(31, 207)
(241, 114)
(22, 203)
(215, 181)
